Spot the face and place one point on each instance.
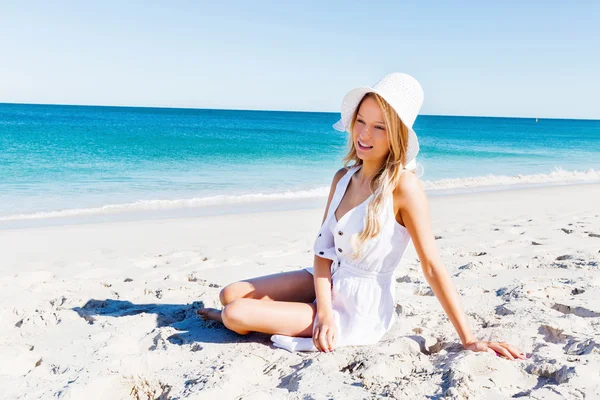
(370, 133)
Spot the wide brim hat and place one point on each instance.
(402, 92)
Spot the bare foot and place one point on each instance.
(210, 314)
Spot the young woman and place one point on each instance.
(375, 208)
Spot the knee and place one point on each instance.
(233, 316)
(231, 292)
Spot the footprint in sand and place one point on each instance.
(550, 370)
(578, 311)
(58, 302)
(193, 277)
(582, 347)
(553, 335)
(477, 253)
(503, 310)
(422, 290)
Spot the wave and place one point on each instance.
(559, 175)
(150, 205)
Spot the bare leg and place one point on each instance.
(293, 286)
(273, 317)
(210, 314)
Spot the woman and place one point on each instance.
(375, 208)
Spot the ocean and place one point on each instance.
(58, 161)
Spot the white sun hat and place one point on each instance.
(403, 93)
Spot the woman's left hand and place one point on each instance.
(504, 349)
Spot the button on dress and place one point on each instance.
(363, 289)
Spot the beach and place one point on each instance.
(151, 154)
(107, 310)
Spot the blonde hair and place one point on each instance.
(388, 176)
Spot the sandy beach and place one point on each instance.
(108, 310)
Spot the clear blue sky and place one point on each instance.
(471, 57)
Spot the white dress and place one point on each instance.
(363, 298)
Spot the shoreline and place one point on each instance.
(98, 215)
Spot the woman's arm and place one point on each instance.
(323, 336)
(414, 210)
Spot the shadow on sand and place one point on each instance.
(183, 317)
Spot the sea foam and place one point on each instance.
(558, 176)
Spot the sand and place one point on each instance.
(108, 310)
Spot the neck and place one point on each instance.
(368, 171)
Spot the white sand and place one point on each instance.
(72, 325)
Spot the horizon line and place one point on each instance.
(295, 111)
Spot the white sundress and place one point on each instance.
(363, 289)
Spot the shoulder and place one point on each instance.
(339, 174)
(409, 190)
(336, 178)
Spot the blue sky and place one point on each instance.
(472, 57)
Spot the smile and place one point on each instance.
(363, 146)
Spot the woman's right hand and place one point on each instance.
(324, 332)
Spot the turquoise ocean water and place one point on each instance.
(79, 160)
